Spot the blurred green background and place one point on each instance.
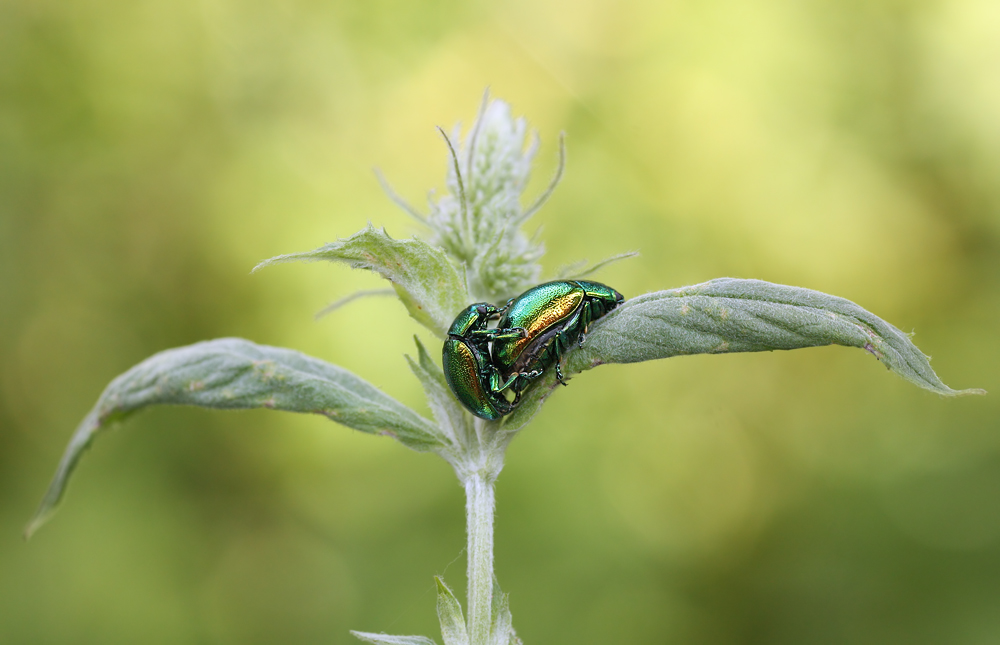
(152, 152)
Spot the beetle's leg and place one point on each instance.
(512, 332)
(486, 310)
(586, 329)
(493, 334)
(588, 317)
(576, 318)
(523, 380)
(527, 376)
(559, 343)
(559, 374)
(510, 381)
(518, 386)
(493, 378)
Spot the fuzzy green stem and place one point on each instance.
(479, 506)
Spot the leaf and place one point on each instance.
(579, 270)
(450, 614)
(232, 373)
(357, 295)
(502, 629)
(427, 282)
(447, 410)
(385, 639)
(553, 183)
(731, 315)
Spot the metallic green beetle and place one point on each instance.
(465, 359)
(553, 315)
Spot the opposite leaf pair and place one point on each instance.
(453, 629)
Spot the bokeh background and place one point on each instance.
(152, 152)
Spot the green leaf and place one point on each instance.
(357, 295)
(425, 279)
(232, 373)
(502, 629)
(730, 315)
(450, 614)
(579, 270)
(448, 412)
(385, 639)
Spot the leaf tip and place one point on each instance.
(421, 350)
(972, 391)
(278, 259)
(40, 518)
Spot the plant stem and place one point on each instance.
(479, 504)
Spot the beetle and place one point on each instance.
(465, 358)
(553, 316)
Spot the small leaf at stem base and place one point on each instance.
(386, 639)
(453, 629)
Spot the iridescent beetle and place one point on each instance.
(465, 359)
(534, 331)
(554, 316)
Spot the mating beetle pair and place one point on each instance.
(533, 332)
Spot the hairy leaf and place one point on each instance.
(447, 410)
(450, 614)
(579, 269)
(232, 373)
(730, 315)
(425, 279)
(502, 629)
(357, 295)
(385, 639)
